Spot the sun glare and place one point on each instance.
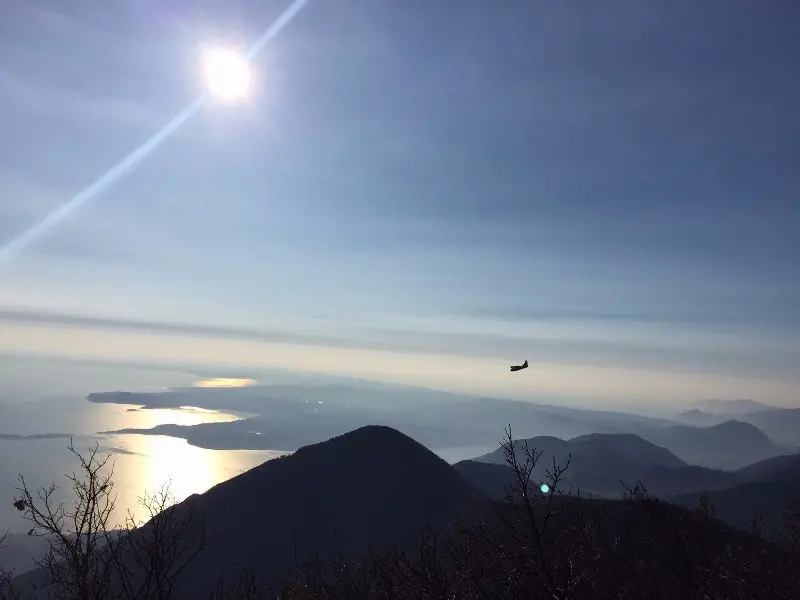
(227, 73)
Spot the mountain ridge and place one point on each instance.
(372, 488)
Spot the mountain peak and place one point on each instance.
(371, 485)
(594, 453)
(364, 437)
(735, 427)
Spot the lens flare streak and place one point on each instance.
(116, 173)
(127, 164)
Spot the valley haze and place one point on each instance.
(289, 416)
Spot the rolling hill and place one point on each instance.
(595, 450)
(729, 445)
(762, 493)
(777, 468)
(781, 425)
(599, 465)
(759, 491)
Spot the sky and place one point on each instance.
(415, 193)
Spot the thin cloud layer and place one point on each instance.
(589, 188)
(563, 341)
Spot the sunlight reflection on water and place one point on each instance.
(142, 463)
(156, 460)
(39, 396)
(187, 469)
(119, 416)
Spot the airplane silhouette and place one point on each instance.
(520, 367)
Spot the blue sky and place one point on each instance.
(419, 192)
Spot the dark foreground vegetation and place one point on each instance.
(529, 545)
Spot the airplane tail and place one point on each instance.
(525, 364)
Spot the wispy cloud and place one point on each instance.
(189, 329)
(729, 317)
(33, 94)
(564, 342)
(550, 381)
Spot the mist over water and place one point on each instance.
(47, 398)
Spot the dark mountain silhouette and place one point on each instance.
(595, 451)
(758, 491)
(599, 465)
(492, 478)
(632, 449)
(756, 505)
(778, 468)
(761, 491)
(373, 485)
(376, 487)
(729, 445)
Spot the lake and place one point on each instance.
(48, 397)
(38, 397)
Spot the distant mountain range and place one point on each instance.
(293, 416)
(760, 494)
(597, 462)
(728, 445)
(604, 465)
(732, 407)
(781, 425)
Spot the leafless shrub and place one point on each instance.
(5, 574)
(151, 555)
(90, 559)
(531, 545)
(554, 546)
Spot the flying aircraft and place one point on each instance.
(520, 367)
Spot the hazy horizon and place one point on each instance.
(43, 403)
(82, 376)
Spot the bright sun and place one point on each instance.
(226, 73)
